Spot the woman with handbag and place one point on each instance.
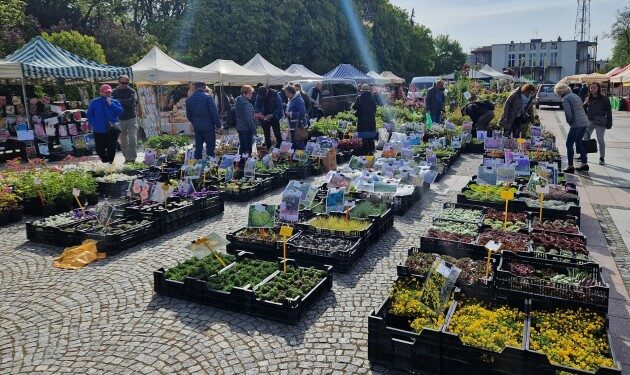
(599, 115)
(365, 109)
(102, 115)
(577, 120)
(245, 125)
(296, 114)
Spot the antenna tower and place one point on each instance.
(583, 20)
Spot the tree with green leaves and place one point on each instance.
(11, 16)
(620, 33)
(77, 43)
(449, 55)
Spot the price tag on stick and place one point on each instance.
(76, 192)
(541, 190)
(506, 195)
(492, 247)
(285, 232)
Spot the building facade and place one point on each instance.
(538, 60)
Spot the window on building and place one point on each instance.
(543, 59)
(521, 47)
(532, 59)
(554, 46)
(521, 59)
(511, 48)
(532, 46)
(543, 46)
(511, 58)
(554, 59)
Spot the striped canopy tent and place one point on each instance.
(614, 71)
(350, 72)
(41, 59)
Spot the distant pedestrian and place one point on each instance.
(128, 123)
(316, 95)
(435, 101)
(481, 112)
(518, 111)
(102, 115)
(308, 103)
(578, 121)
(202, 113)
(365, 109)
(245, 125)
(583, 92)
(599, 113)
(296, 112)
(269, 105)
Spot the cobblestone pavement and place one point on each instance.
(615, 242)
(105, 318)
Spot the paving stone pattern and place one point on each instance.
(615, 242)
(106, 318)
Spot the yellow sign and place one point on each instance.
(286, 231)
(520, 140)
(507, 195)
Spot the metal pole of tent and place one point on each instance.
(28, 117)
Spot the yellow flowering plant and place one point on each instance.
(405, 301)
(572, 338)
(491, 328)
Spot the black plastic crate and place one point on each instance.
(34, 206)
(290, 311)
(271, 249)
(548, 292)
(400, 348)
(113, 189)
(67, 236)
(458, 358)
(298, 172)
(548, 213)
(465, 207)
(209, 208)
(539, 364)
(36, 233)
(365, 234)
(342, 260)
(115, 243)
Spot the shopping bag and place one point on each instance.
(590, 146)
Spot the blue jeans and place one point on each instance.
(435, 116)
(574, 138)
(204, 135)
(245, 141)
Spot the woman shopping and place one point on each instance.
(245, 125)
(518, 111)
(599, 115)
(296, 114)
(365, 107)
(577, 120)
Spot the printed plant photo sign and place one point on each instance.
(334, 200)
(290, 206)
(262, 215)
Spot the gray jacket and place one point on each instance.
(244, 114)
(574, 111)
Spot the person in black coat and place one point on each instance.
(365, 109)
(481, 112)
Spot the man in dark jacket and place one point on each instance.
(269, 105)
(365, 107)
(308, 102)
(583, 93)
(202, 112)
(480, 112)
(128, 124)
(435, 101)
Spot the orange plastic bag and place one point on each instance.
(77, 257)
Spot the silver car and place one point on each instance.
(546, 96)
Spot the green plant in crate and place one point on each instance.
(336, 223)
(247, 272)
(198, 268)
(293, 284)
(365, 209)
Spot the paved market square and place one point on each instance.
(106, 319)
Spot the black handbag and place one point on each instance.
(590, 146)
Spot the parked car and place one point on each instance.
(419, 84)
(338, 95)
(546, 96)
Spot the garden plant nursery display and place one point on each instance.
(461, 214)
(453, 231)
(405, 302)
(562, 226)
(472, 270)
(558, 244)
(571, 276)
(510, 241)
(515, 221)
(486, 192)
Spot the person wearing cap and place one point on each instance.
(128, 124)
(365, 109)
(103, 116)
(202, 113)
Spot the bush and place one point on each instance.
(166, 141)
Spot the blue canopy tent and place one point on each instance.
(348, 71)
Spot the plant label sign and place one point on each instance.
(493, 246)
(357, 163)
(481, 135)
(406, 153)
(522, 165)
(438, 285)
(286, 147)
(542, 189)
(229, 173)
(268, 161)
(76, 192)
(310, 146)
(507, 195)
(492, 143)
(290, 206)
(250, 168)
(334, 200)
(467, 126)
(505, 173)
(286, 231)
(227, 161)
(262, 215)
(337, 180)
(104, 213)
(486, 175)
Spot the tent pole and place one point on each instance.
(28, 117)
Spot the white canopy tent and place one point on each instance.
(379, 79)
(273, 74)
(302, 71)
(393, 77)
(156, 67)
(495, 74)
(232, 74)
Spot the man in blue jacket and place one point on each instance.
(269, 104)
(202, 112)
(102, 115)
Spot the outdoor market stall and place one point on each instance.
(302, 71)
(379, 79)
(348, 71)
(274, 76)
(46, 128)
(394, 78)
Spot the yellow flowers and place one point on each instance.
(573, 338)
(405, 301)
(488, 328)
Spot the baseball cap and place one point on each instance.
(106, 88)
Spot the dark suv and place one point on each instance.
(337, 94)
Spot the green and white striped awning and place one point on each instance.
(42, 59)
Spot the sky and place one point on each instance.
(477, 23)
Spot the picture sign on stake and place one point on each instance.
(104, 213)
(486, 175)
(505, 173)
(290, 206)
(334, 200)
(262, 215)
